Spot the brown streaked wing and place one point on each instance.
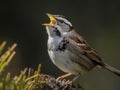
(83, 46)
(80, 41)
(77, 55)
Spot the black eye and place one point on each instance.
(61, 21)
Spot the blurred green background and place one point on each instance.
(97, 20)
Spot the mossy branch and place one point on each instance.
(7, 56)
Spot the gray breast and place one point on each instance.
(61, 46)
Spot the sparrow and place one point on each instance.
(69, 51)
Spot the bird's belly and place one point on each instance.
(63, 62)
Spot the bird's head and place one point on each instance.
(61, 21)
(64, 23)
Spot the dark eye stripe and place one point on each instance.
(61, 21)
(65, 23)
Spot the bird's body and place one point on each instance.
(60, 55)
(69, 51)
(67, 57)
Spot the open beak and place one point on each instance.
(47, 24)
(53, 21)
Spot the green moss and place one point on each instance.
(28, 79)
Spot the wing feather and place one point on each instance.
(81, 48)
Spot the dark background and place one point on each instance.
(97, 20)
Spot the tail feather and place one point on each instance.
(112, 69)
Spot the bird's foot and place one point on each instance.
(63, 76)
